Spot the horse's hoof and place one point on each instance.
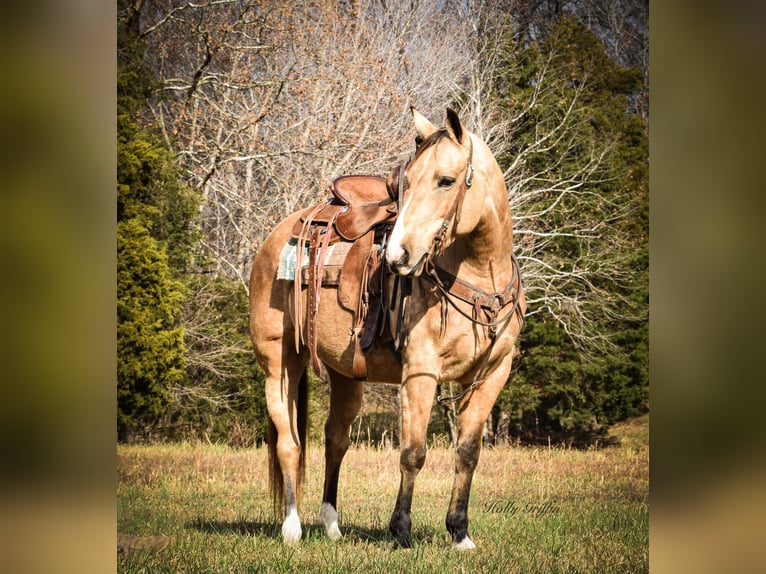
(465, 544)
(405, 543)
(402, 540)
(400, 528)
(329, 518)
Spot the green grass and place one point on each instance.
(532, 510)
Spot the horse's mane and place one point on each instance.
(430, 141)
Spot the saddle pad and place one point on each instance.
(336, 255)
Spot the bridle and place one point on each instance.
(486, 307)
(453, 215)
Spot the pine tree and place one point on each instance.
(584, 351)
(154, 236)
(149, 341)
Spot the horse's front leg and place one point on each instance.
(417, 397)
(472, 414)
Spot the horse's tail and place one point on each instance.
(276, 478)
(303, 426)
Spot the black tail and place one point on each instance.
(276, 479)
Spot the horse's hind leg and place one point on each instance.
(345, 401)
(273, 333)
(286, 399)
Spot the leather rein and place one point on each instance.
(486, 307)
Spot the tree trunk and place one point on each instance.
(502, 436)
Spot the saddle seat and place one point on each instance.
(361, 189)
(361, 211)
(359, 203)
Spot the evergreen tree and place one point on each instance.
(154, 236)
(149, 341)
(185, 361)
(584, 353)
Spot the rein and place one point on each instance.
(452, 288)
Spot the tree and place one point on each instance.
(221, 397)
(264, 102)
(149, 341)
(577, 169)
(154, 239)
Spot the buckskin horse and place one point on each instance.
(451, 309)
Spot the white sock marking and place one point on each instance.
(291, 528)
(329, 518)
(465, 544)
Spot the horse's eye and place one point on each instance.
(445, 181)
(418, 141)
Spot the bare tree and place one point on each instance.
(266, 102)
(577, 293)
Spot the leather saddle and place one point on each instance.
(361, 212)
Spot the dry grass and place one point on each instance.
(531, 510)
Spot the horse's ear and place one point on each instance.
(422, 125)
(454, 127)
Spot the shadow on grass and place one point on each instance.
(351, 533)
(240, 527)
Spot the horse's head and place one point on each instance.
(438, 177)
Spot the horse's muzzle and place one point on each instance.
(403, 268)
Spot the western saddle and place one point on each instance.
(360, 214)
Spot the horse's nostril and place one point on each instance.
(397, 255)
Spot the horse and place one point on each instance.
(458, 320)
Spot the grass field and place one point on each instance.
(532, 510)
